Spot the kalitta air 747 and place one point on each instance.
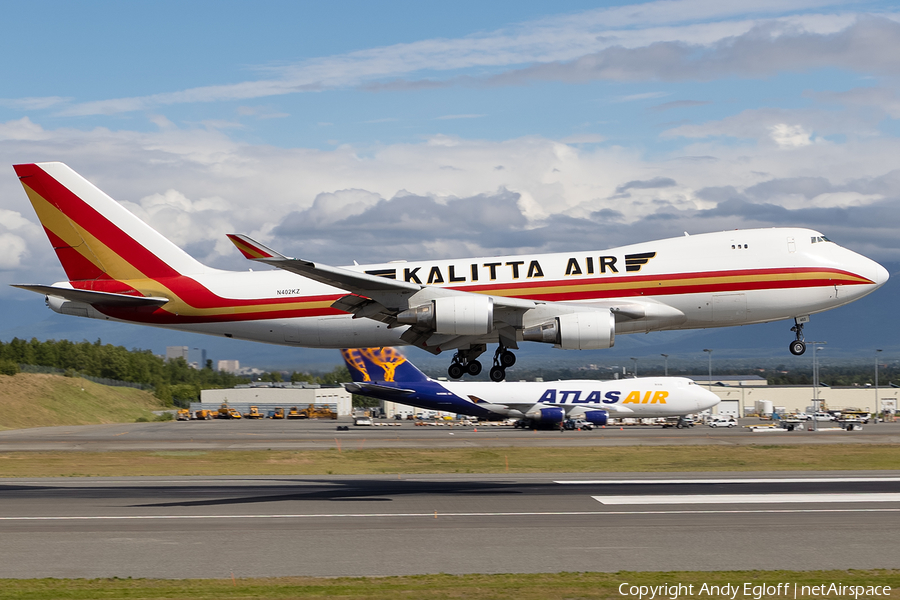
(119, 268)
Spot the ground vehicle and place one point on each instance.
(823, 416)
(234, 414)
(278, 413)
(293, 413)
(183, 414)
(678, 422)
(253, 413)
(722, 422)
(203, 415)
(317, 412)
(577, 424)
(362, 421)
(859, 415)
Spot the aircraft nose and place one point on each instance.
(706, 399)
(881, 275)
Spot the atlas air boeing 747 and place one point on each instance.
(385, 374)
(120, 269)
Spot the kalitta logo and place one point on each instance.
(513, 269)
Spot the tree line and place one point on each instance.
(173, 381)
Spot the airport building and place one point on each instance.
(268, 396)
(743, 395)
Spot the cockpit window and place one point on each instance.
(820, 238)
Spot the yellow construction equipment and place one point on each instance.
(183, 414)
(317, 412)
(254, 413)
(279, 413)
(293, 413)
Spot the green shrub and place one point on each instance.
(8, 367)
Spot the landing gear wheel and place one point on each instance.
(498, 374)
(507, 359)
(473, 368)
(455, 371)
(797, 347)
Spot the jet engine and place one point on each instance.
(588, 330)
(471, 314)
(546, 415)
(597, 417)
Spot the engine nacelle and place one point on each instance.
(597, 417)
(547, 415)
(588, 330)
(471, 314)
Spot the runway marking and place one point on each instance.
(431, 515)
(749, 498)
(753, 480)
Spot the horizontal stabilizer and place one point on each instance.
(362, 388)
(92, 297)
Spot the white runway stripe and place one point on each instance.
(748, 498)
(766, 480)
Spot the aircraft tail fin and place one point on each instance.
(380, 364)
(95, 237)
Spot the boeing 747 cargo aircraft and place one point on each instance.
(385, 374)
(118, 268)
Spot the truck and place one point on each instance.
(253, 413)
(183, 414)
(317, 412)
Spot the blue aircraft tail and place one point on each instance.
(380, 364)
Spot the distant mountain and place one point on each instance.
(852, 332)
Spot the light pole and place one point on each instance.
(816, 349)
(635, 366)
(877, 350)
(709, 382)
(666, 357)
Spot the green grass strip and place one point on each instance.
(426, 587)
(443, 461)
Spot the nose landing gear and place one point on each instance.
(798, 346)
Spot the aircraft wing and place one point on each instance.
(344, 279)
(398, 303)
(92, 297)
(371, 296)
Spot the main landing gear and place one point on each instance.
(464, 363)
(798, 346)
(503, 359)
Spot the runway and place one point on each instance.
(330, 526)
(317, 435)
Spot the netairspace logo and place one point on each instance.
(748, 590)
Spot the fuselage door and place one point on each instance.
(792, 246)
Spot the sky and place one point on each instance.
(364, 131)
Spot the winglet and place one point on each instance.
(252, 249)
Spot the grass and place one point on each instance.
(37, 400)
(427, 587)
(443, 461)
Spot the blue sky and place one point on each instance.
(594, 125)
